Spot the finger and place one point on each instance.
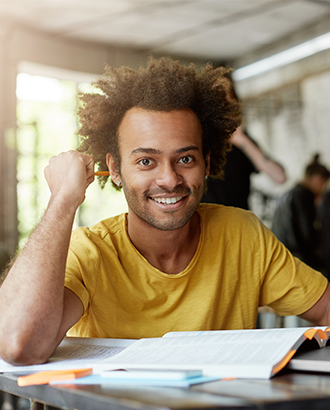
(89, 162)
(90, 179)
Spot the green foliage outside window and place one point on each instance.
(46, 127)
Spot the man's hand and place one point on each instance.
(68, 175)
(263, 164)
(239, 138)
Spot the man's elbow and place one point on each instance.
(319, 314)
(18, 352)
(278, 174)
(281, 179)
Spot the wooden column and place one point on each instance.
(8, 202)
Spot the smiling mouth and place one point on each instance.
(167, 200)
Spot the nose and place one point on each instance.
(168, 177)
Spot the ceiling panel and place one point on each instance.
(209, 29)
(233, 39)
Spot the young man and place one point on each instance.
(244, 159)
(295, 215)
(170, 263)
(324, 215)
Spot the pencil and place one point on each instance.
(102, 173)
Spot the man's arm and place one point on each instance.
(274, 170)
(319, 314)
(36, 309)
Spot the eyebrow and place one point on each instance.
(157, 152)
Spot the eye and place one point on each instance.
(186, 160)
(145, 162)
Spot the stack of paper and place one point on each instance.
(165, 378)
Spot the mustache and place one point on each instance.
(180, 191)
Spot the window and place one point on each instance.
(47, 125)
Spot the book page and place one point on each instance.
(212, 332)
(243, 353)
(75, 353)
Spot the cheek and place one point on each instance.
(196, 178)
(136, 181)
(139, 180)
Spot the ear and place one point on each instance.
(207, 164)
(113, 169)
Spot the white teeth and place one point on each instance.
(167, 200)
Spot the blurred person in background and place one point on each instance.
(324, 216)
(295, 218)
(244, 159)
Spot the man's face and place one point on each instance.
(162, 166)
(319, 184)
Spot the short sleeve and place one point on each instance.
(74, 279)
(289, 286)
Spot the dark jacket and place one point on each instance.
(234, 189)
(325, 234)
(294, 224)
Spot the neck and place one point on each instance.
(169, 251)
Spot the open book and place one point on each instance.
(258, 353)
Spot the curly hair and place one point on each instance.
(163, 85)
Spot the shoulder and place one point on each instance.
(302, 197)
(296, 194)
(325, 205)
(221, 215)
(300, 190)
(216, 210)
(102, 229)
(239, 231)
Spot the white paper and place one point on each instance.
(74, 353)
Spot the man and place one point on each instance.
(169, 264)
(324, 215)
(295, 216)
(244, 159)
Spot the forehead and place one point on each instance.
(156, 129)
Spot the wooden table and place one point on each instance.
(286, 391)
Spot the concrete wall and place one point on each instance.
(287, 111)
(8, 207)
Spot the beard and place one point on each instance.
(171, 219)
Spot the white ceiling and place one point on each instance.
(215, 30)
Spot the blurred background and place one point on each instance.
(49, 49)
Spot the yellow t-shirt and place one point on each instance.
(239, 265)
